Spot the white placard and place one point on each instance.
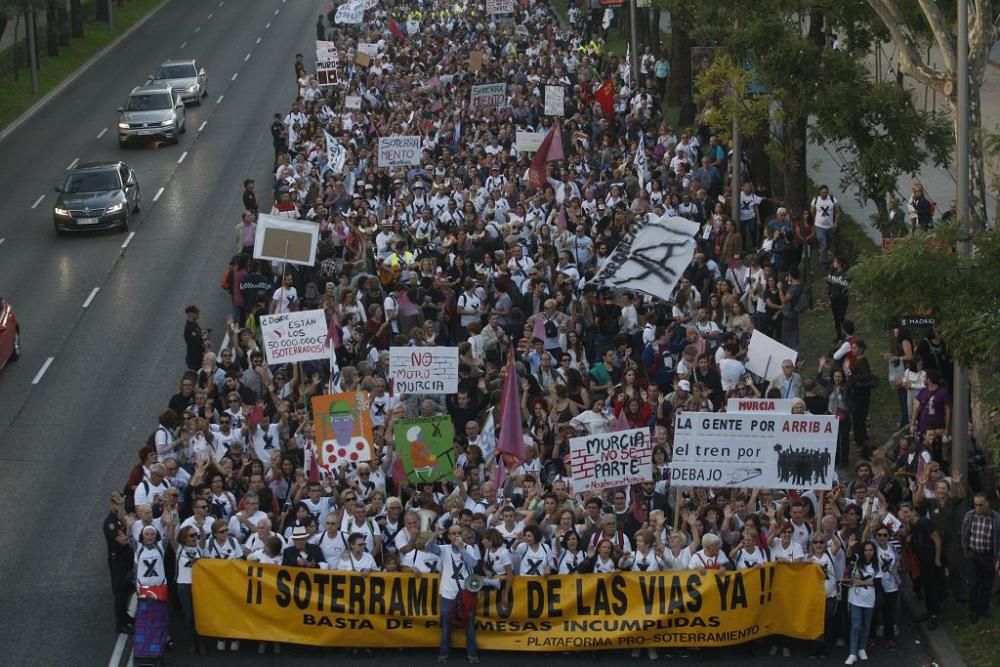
(764, 356)
(352, 11)
(555, 100)
(280, 240)
(352, 101)
(370, 4)
(370, 48)
(604, 460)
(293, 337)
(488, 95)
(779, 405)
(528, 142)
(499, 6)
(754, 450)
(398, 151)
(326, 52)
(424, 370)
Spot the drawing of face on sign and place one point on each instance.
(341, 421)
(343, 427)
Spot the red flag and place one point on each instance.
(313, 462)
(511, 441)
(333, 331)
(397, 471)
(551, 149)
(396, 30)
(605, 96)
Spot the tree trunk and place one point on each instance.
(679, 84)
(64, 27)
(3, 24)
(794, 167)
(76, 17)
(14, 51)
(102, 10)
(760, 162)
(51, 29)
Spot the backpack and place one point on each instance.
(463, 610)
(802, 303)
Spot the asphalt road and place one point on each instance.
(70, 428)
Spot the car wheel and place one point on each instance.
(16, 352)
(138, 202)
(123, 227)
(184, 124)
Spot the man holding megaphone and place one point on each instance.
(458, 604)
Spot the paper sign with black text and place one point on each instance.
(499, 6)
(555, 103)
(352, 11)
(424, 370)
(780, 405)
(398, 151)
(326, 52)
(490, 95)
(293, 337)
(528, 142)
(604, 460)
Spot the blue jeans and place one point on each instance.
(470, 629)
(861, 620)
(825, 237)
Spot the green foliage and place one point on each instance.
(722, 94)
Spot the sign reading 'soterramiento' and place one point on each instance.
(293, 337)
(424, 370)
(399, 151)
(754, 450)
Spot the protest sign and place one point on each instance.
(780, 405)
(488, 95)
(764, 356)
(475, 61)
(555, 100)
(499, 6)
(281, 240)
(528, 142)
(426, 446)
(326, 76)
(336, 156)
(604, 460)
(398, 151)
(424, 370)
(362, 58)
(326, 52)
(293, 337)
(343, 428)
(370, 4)
(582, 612)
(754, 450)
(352, 11)
(371, 48)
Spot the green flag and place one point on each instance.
(426, 446)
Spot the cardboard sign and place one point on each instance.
(528, 142)
(779, 405)
(293, 337)
(398, 151)
(475, 61)
(499, 6)
(764, 356)
(754, 450)
(362, 58)
(326, 52)
(326, 76)
(490, 95)
(343, 428)
(555, 100)
(352, 101)
(611, 459)
(424, 370)
(280, 239)
(426, 446)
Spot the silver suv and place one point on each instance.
(185, 78)
(151, 112)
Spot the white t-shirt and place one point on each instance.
(639, 562)
(829, 572)
(150, 567)
(333, 547)
(469, 302)
(283, 298)
(703, 560)
(454, 570)
(320, 509)
(510, 535)
(824, 211)
(230, 549)
(681, 561)
(863, 596)
(602, 566)
(747, 204)
(240, 531)
(349, 563)
(186, 558)
(422, 561)
(889, 562)
(496, 561)
(148, 493)
(745, 559)
(565, 562)
(255, 544)
(791, 553)
(532, 562)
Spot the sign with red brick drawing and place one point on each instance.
(424, 370)
(605, 460)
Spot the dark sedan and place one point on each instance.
(97, 195)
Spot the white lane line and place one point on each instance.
(102, 133)
(183, 44)
(219, 101)
(73, 164)
(202, 126)
(198, 29)
(276, 12)
(41, 371)
(2, 240)
(234, 76)
(181, 158)
(90, 299)
(246, 57)
(258, 40)
(159, 192)
(128, 239)
(38, 201)
(268, 26)
(116, 655)
(222, 3)
(210, 16)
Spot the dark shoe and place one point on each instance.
(924, 618)
(442, 658)
(932, 624)
(126, 629)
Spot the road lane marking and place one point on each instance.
(276, 11)
(128, 239)
(41, 371)
(258, 39)
(73, 164)
(183, 44)
(102, 133)
(202, 126)
(181, 158)
(268, 26)
(2, 240)
(198, 29)
(38, 201)
(210, 16)
(90, 299)
(159, 192)
(116, 655)
(219, 101)
(246, 57)
(234, 76)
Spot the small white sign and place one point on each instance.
(555, 100)
(489, 95)
(293, 337)
(352, 101)
(605, 460)
(424, 370)
(528, 142)
(499, 6)
(398, 151)
(764, 356)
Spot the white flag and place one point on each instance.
(335, 154)
(641, 162)
(334, 383)
(628, 66)
(352, 11)
(488, 441)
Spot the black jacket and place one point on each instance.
(291, 555)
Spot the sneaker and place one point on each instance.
(220, 645)
(234, 645)
(787, 652)
(653, 654)
(473, 659)
(862, 654)
(442, 658)
(262, 648)
(635, 653)
(277, 648)
(851, 659)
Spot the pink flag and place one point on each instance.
(551, 149)
(511, 441)
(313, 462)
(407, 307)
(397, 471)
(333, 331)
(621, 424)
(538, 330)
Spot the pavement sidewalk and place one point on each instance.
(938, 641)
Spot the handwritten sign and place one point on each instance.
(293, 337)
(352, 11)
(555, 100)
(371, 48)
(352, 101)
(488, 95)
(528, 142)
(779, 405)
(499, 6)
(398, 151)
(611, 459)
(424, 370)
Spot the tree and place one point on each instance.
(904, 30)
(51, 28)
(679, 83)
(76, 16)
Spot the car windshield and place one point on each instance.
(148, 102)
(92, 181)
(176, 72)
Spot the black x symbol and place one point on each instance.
(534, 565)
(379, 409)
(643, 566)
(746, 205)
(150, 567)
(456, 571)
(435, 430)
(825, 210)
(570, 567)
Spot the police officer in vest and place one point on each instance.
(120, 557)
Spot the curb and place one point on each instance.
(61, 86)
(938, 642)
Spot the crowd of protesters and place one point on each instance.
(461, 250)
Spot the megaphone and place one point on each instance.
(474, 583)
(427, 518)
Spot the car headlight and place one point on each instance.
(123, 126)
(61, 211)
(193, 88)
(114, 208)
(167, 123)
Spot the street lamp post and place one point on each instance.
(960, 384)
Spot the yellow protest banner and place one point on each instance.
(237, 599)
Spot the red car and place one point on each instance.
(10, 334)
